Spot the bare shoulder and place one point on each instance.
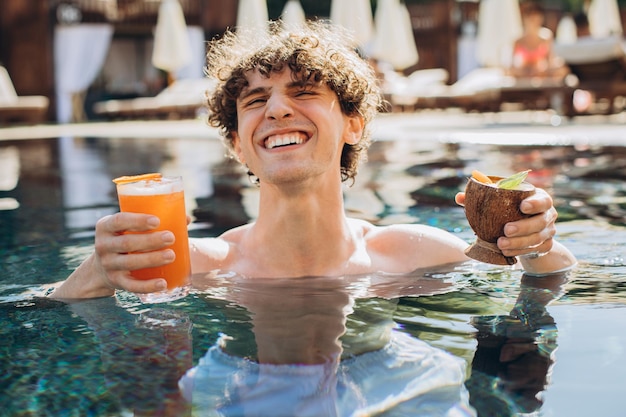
(419, 246)
(214, 253)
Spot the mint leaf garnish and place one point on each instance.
(512, 182)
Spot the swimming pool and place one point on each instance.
(561, 353)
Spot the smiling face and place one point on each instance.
(315, 52)
(291, 129)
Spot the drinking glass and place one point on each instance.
(162, 197)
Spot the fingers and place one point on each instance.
(137, 242)
(126, 242)
(131, 251)
(459, 198)
(123, 261)
(117, 267)
(131, 284)
(532, 235)
(127, 222)
(518, 247)
(533, 224)
(537, 203)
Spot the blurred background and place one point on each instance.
(80, 52)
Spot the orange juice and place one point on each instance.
(164, 198)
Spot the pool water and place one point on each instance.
(551, 346)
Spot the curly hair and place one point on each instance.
(316, 52)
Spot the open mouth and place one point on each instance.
(293, 138)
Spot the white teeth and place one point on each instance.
(282, 140)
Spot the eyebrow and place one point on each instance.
(258, 90)
(263, 90)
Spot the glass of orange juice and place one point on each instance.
(162, 197)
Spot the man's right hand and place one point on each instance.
(122, 244)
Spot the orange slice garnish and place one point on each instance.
(480, 177)
(155, 176)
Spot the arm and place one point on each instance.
(116, 254)
(532, 238)
(404, 248)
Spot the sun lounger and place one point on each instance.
(600, 66)
(16, 109)
(404, 91)
(182, 99)
(540, 93)
(479, 90)
(486, 89)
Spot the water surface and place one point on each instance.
(565, 355)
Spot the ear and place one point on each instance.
(354, 129)
(237, 147)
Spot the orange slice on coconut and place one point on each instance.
(155, 176)
(480, 177)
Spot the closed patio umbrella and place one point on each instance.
(172, 50)
(566, 30)
(499, 26)
(293, 14)
(356, 17)
(252, 14)
(394, 42)
(604, 18)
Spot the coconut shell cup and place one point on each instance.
(488, 209)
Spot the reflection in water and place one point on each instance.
(38, 216)
(86, 182)
(134, 349)
(9, 167)
(319, 346)
(9, 175)
(307, 347)
(515, 353)
(324, 347)
(88, 166)
(224, 207)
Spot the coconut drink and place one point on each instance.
(490, 203)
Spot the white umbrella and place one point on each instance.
(356, 17)
(252, 14)
(172, 50)
(293, 14)
(394, 42)
(604, 18)
(499, 26)
(566, 30)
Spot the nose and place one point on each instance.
(278, 107)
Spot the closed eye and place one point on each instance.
(254, 97)
(254, 102)
(306, 90)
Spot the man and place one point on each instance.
(295, 110)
